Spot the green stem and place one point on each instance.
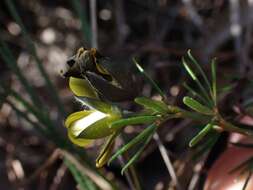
(232, 128)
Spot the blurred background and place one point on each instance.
(36, 39)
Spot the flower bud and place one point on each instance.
(86, 125)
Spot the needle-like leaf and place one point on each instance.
(201, 135)
(196, 106)
(194, 93)
(149, 79)
(155, 105)
(214, 87)
(138, 153)
(139, 138)
(194, 77)
(199, 68)
(133, 121)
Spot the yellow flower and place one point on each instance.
(87, 125)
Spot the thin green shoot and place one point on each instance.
(194, 93)
(139, 138)
(150, 80)
(194, 61)
(138, 153)
(201, 87)
(133, 121)
(214, 83)
(201, 135)
(196, 106)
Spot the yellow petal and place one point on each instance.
(75, 116)
(100, 128)
(90, 124)
(79, 141)
(81, 87)
(80, 125)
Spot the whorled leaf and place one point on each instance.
(196, 106)
(201, 135)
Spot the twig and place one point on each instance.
(167, 161)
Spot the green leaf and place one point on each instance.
(194, 77)
(212, 138)
(138, 153)
(133, 121)
(158, 106)
(196, 106)
(199, 68)
(194, 93)
(189, 70)
(106, 151)
(149, 79)
(201, 135)
(139, 138)
(214, 87)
